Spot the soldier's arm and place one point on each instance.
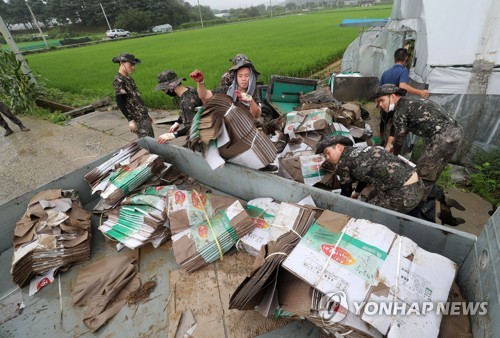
(344, 179)
(346, 189)
(120, 101)
(423, 93)
(398, 143)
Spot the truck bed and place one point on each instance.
(45, 315)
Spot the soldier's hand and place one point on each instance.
(389, 147)
(243, 96)
(133, 126)
(174, 127)
(197, 76)
(164, 138)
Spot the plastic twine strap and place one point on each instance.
(277, 253)
(396, 288)
(210, 226)
(229, 109)
(287, 228)
(320, 275)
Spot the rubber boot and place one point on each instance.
(8, 131)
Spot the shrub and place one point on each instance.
(485, 179)
(445, 180)
(15, 85)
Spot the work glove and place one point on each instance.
(164, 138)
(197, 76)
(133, 126)
(244, 97)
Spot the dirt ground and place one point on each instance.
(48, 151)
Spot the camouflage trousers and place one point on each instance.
(401, 199)
(145, 127)
(8, 113)
(438, 151)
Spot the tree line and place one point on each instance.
(133, 15)
(89, 12)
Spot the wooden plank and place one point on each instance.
(80, 111)
(53, 105)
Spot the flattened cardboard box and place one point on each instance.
(364, 266)
(362, 248)
(423, 277)
(307, 120)
(304, 169)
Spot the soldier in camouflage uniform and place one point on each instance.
(227, 78)
(427, 119)
(395, 182)
(187, 98)
(4, 109)
(129, 99)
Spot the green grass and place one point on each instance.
(295, 45)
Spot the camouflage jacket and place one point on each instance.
(422, 117)
(188, 103)
(226, 80)
(224, 89)
(133, 102)
(373, 165)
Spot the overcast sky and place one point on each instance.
(227, 4)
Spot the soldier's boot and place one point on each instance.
(447, 218)
(269, 167)
(454, 203)
(24, 128)
(8, 131)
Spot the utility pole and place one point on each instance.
(199, 10)
(271, 6)
(37, 25)
(105, 17)
(13, 47)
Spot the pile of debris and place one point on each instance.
(53, 234)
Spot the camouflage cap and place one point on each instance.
(330, 141)
(238, 58)
(126, 57)
(388, 89)
(168, 80)
(244, 63)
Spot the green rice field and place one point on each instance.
(296, 45)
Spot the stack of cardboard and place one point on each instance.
(303, 168)
(228, 130)
(140, 219)
(205, 242)
(262, 211)
(96, 175)
(123, 173)
(53, 233)
(366, 262)
(191, 207)
(307, 120)
(259, 290)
